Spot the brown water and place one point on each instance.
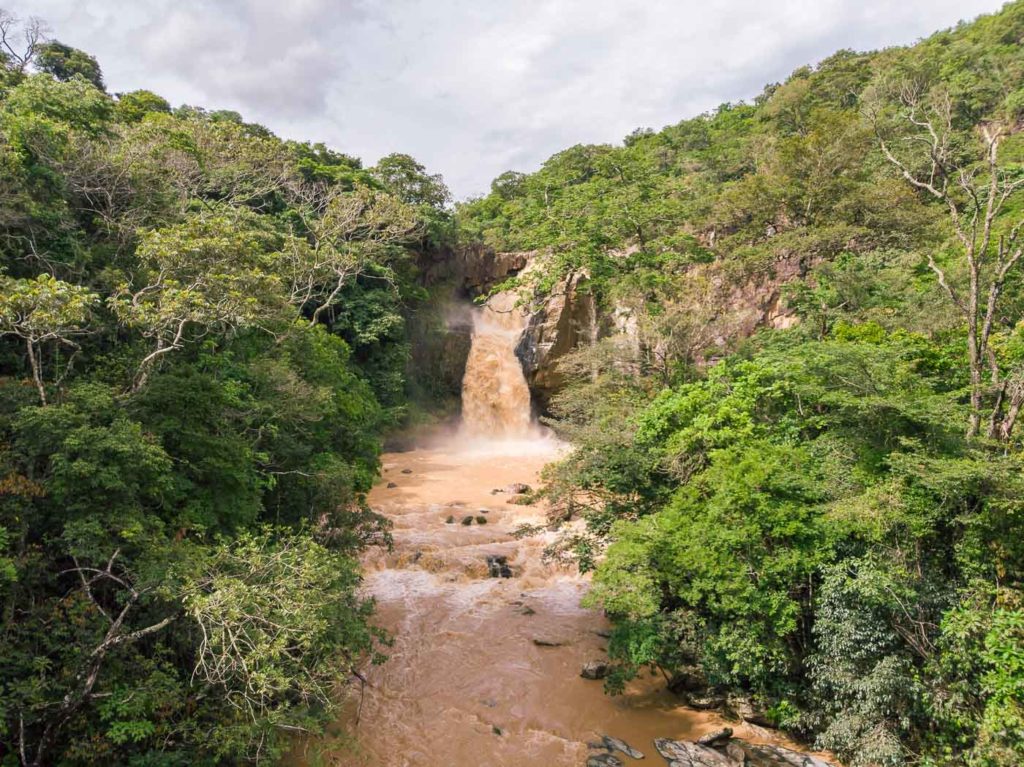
(466, 684)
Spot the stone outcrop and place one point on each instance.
(568, 317)
(566, 320)
(731, 752)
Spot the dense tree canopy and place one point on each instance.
(202, 339)
(824, 518)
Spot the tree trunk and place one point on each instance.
(37, 373)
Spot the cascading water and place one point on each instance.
(489, 637)
(495, 396)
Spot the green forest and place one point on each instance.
(206, 333)
(829, 518)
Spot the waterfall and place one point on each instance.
(495, 395)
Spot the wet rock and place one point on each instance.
(496, 491)
(496, 730)
(527, 610)
(734, 753)
(716, 738)
(407, 471)
(450, 521)
(392, 485)
(549, 642)
(497, 566)
(517, 488)
(684, 753)
(747, 710)
(705, 702)
(467, 520)
(614, 744)
(604, 760)
(777, 756)
(483, 511)
(595, 669)
(481, 520)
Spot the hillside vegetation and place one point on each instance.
(201, 342)
(830, 520)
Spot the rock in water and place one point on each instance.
(549, 642)
(716, 738)
(777, 756)
(392, 485)
(738, 753)
(407, 471)
(497, 566)
(604, 760)
(467, 520)
(517, 488)
(450, 521)
(684, 753)
(481, 520)
(614, 744)
(595, 669)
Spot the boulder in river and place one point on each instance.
(685, 753)
(481, 520)
(595, 669)
(716, 738)
(407, 471)
(549, 642)
(615, 744)
(497, 566)
(604, 760)
(450, 520)
(517, 488)
(392, 485)
(748, 710)
(467, 520)
(732, 753)
(706, 701)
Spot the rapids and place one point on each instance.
(465, 683)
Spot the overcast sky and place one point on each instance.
(472, 88)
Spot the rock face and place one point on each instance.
(728, 752)
(568, 317)
(595, 669)
(565, 321)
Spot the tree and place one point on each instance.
(33, 34)
(41, 310)
(343, 234)
(277, 616)
(975, 190)
(133, 106)
(409, 181)
(64, 62)
(212, 273)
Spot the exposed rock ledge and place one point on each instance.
(569, 317)
(719, 749)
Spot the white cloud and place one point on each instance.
(473, 87)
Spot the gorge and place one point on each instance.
(494, 658)
(684, 445)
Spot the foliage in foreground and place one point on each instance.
(826, 518)
(201, 342)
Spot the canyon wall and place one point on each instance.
(569, 317)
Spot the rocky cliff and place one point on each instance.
(568, 316)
